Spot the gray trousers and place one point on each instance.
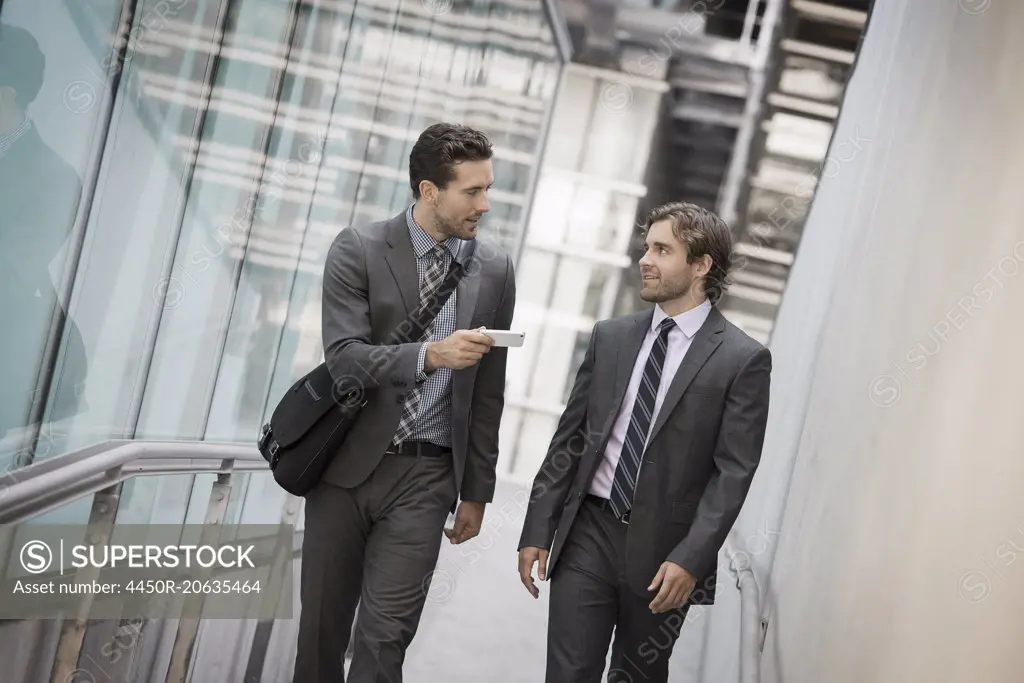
(375, 546)
(590, 599)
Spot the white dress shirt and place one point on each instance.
(679, 339)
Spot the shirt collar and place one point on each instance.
(423, 243)
(8, 139)
(688, 321)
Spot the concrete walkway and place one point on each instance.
(480, 623)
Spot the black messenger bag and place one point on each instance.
(312, 419)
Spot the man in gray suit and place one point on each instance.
(428, 435)
(650, 462)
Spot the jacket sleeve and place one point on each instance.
(352, 358)
(554, 480)
(736, 456)
(488, 404)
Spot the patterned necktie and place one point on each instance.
(624, 482)
(432, 281)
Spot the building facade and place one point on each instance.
(218, 148)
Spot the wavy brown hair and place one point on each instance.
(704, 233)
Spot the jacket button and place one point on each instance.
(579, 494)
(400, 398)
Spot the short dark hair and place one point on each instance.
(704, 233)
(21, 63)
(439, 148)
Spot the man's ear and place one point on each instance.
(428, 191)
(705, 264)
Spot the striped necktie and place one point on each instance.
(624, 482)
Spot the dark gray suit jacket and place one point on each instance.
(704, 448)
(370, 287)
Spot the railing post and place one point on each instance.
(265, 626)
(188, 627)
(72, 630)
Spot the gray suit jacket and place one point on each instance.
(370, 286)
(704, 448)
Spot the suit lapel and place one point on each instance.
(468, 289)
(704, 343)
(627, 347)
(625, 358)
(402, 262)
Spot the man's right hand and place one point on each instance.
(528, 556)
(461, 349)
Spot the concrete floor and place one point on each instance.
(480, 623)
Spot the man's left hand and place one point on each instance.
(675, 585)
(468, 520)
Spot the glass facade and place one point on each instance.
(575, 252)
(187, 165)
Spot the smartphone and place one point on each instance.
(505, 337)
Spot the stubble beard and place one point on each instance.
(668, 292)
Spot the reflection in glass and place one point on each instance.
(39, 196)
(243, 137)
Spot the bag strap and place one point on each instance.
(413, 327)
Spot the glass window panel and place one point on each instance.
(621, 122)
(280, 236)
(534, 275)
(219, 212)
(579, 352)
(57, 72)
(555, 347)
(587, 217)
(552, 203)
(598, 290)
(521, 363)
(570, 285)
(620, 223)
(565, 147)
(161, 500)
(195, 286)
(120, 262)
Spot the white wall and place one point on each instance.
(897, 373)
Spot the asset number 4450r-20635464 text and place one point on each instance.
(194, 586)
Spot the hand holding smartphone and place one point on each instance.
(505, 338)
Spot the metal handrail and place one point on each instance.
(750, 616)
(99, 469)
(51, 483)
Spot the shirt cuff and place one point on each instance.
(421, 360)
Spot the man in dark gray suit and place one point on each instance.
(650, 462)
(429, 433)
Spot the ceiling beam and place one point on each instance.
(829, 14)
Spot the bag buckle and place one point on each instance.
(265, 433)
(268, 446)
